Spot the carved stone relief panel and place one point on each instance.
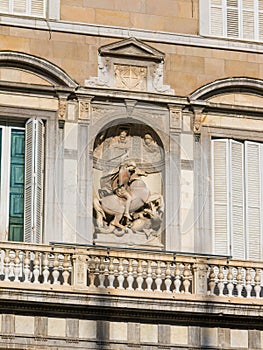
(128, 166)
(130, 64)
(130, 77)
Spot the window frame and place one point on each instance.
(205, 21)
(51, 10)
(245, 143)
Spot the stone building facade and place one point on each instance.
(131, 212)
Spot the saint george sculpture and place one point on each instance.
(123, 202)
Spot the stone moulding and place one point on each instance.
(130, 64)
(38, 66)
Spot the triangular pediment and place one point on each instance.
(132, 48)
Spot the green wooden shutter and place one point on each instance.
(220, 174)
(34, 180)
(254, 161)
(237, 209)
(16, 194)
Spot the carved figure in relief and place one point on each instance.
(150, 149)
(123, 203)
(126, 198)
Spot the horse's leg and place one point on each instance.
(116, 221)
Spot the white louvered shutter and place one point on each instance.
(216, 18)
(20, 7)
(254, 158)
(248, 19)
(35, 8)
(260, 20)
(220, 170)
(4, 6)
(38, 8)
(237, 194)
(232, 18)
(34, 180)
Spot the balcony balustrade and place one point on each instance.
(109, 270)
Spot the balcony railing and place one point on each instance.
(98, 269)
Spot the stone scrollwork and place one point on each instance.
(128, 203)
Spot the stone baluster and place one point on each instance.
(11, 264)
(97, 270)
(158, 280)
(55, 272)
(102, 273)
(2, 254)
(36, 267)
(106, 270)
(111, 274)
(139, 278)
(211, 283)
(125, 271)
(230, 285)
(7, 264)
(66, 267)
(177, 281)
(17, 266)
(167, 280)
(240, 283)
(45, 272)
(91, 270)
(27, 272)
(220, 277)
(130, 275)
(186, 279)
(257, 280)
(120, 275)
(149, 278)
(248, 282)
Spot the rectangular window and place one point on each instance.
(236, 19)
(21, 170)
(34, 8)
(237, 198)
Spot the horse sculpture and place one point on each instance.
(114, 206)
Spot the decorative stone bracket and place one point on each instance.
(84, 108)
(198, 113)
(175, 118)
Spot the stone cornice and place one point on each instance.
(121, 32)
(116, 306)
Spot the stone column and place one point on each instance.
(172, 183)
(85, 183)
(198, 182)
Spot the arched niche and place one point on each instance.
(128, 185)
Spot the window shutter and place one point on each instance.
(220, 169)
(248, 20)
(237, 199)
(33, 180)
(254, 157)
(216, 18)
(20, 6)
(4, 6)
(38, 8)
(232, 18)
(260, 20)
